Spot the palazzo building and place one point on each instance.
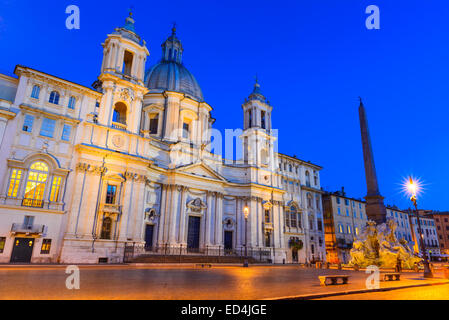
(86, 171)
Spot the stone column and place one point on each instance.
(89, 215)
(174, 211)
(168, 210)
(162, 215)
(182, 216)
(78, 197)
(137, 209)
(219, 221)
(207, 217)
(260, 221)
(238, 222)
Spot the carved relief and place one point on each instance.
(228, 224)
(118, 141)
(196, 205)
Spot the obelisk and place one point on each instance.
(375, 208)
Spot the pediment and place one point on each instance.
(202, 170)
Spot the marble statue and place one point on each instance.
(378, 245)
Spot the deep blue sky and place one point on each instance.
(313, 58)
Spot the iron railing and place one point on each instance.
(167, 252)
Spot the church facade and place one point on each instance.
(87, 171)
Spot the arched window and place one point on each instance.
(54, 97)
(106, 228)
(35, 186)
(119, 115)
(35, 92)
(72, 102)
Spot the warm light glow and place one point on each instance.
(246, 211)
(412, 186)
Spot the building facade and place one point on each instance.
(403, 227)
(442, 224)
(86, 171)
(429, 231)
(344, 219)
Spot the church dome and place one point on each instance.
(170, 74)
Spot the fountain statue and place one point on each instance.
(378, 245)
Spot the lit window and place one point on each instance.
(35, 92)
(35, 187)
(2, 244)
(54, 97)
(349, 229)
(72, 102)
(356, 231)
(340, 228)
(110, 194)
(28, 123)
(46, 245)
(54, 193)
(66, 132)
(16, 175)
(48, 127)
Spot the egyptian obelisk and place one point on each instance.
(375, 208)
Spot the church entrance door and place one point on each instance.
(193, 235)
(228, 240)
(149, 229)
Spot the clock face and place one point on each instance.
(118, 141)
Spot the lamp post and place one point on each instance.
(413, 188)
(246, 213)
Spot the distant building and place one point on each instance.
(442, 226)
(404, 230)
(344, 218)
(429, 231)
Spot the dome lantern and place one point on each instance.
(172, 48)
(170, 74)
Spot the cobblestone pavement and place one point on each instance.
(179, 282)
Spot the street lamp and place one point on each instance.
(412, 187)
(246, 213)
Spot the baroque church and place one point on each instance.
(88, 172)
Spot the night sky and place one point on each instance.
(313, 60)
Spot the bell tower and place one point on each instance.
(258, 142)
(122, 78)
